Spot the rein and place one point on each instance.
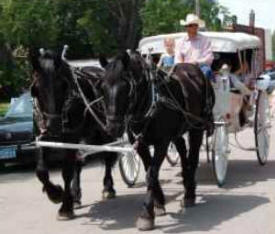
(149, 110)
(187, 114)
(133, 93)
(51, 116)
(85, 100)
(171, 102)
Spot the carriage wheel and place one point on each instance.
(262, 127)
(172, 155)
(220, 153)
(129, 166)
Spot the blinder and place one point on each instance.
(128, 76)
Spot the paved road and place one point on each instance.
(245, 205)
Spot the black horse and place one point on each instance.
(183, 103)
(61, 115)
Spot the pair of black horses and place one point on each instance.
(127, 85)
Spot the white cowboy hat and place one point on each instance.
(192, 19)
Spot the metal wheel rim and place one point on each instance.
(220, 154)
(262, 127)
(129, 166)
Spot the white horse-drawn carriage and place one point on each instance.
(241, 97)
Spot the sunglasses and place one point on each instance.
(191, 25)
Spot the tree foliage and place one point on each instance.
(28, 22)
(89, 27)
(163, 16)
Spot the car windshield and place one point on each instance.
(21, 107)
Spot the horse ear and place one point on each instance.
(125, 58)
(103, 61)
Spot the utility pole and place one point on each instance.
(197, 7)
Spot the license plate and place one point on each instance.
(8, 152)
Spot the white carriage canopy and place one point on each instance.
(223, 42)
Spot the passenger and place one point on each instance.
(234, 78)
(167, 59)
(195, 48)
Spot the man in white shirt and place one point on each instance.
(195, 48)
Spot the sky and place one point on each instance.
(264, 9)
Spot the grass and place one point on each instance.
(4, 107)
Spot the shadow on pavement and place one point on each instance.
(122, 212)
(240, 173)
(216, 210)
(22, 171)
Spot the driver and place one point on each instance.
(195, 48)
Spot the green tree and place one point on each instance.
(113, 24)
(90, 27)
(163, 16)
(23, 24)
(28, 22)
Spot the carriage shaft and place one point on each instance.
(89, 148)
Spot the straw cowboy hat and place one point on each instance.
(192, 19)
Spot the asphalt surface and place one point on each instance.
(246, 204)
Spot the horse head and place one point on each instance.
(122, 79)
(50, 86)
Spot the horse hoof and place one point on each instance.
(187, 203)
(63, 216)
(145, 224)
(77, 204)
(106, 195)
(159, 210)
(55, 193)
